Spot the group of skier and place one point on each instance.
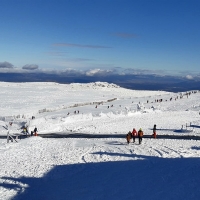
(138, 134)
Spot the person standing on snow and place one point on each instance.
(35, 131)
(26, 130)
(134, 134)
(128, 137)
(140, 135)
(154, 131)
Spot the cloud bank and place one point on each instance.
(136, 79)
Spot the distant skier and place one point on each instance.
(134, 134)
(32, 133)
(25, 130)
(154, 131)
(140, 135)
(35, 131)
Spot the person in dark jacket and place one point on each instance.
(35, 131)
(128, 137)
(140, 135)
(154, 131)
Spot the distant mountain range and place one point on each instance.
(136, 82)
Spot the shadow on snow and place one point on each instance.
(85, 135)
(143, 177)
(195, 126)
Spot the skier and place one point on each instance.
(134, 134)
(35, 131)
(140, 135)
(25, 130)
(154, 131)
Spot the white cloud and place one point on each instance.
(189, 77)
(98, 72)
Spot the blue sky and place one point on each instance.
(151, 35)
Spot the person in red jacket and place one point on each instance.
(134, 134)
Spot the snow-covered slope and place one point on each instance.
(98, 168)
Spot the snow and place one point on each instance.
(88, 157)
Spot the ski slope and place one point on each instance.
(98, 168)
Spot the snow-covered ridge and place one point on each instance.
(29, 98)
(65, 104)
(95, 85)
(71, 85)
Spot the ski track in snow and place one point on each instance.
(37, 160)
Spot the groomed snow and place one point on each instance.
(98, 167)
